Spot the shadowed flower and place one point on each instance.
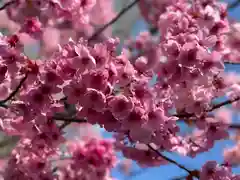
(120, 106)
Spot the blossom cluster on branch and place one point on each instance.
(86, 80)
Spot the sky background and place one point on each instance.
(168, 172)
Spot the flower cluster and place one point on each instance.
(87, 80)
(91, 158)
(211, 170)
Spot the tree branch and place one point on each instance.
(12, 94)
(7, 4)
(234, 126)
(69, 120)
(174, 162)
(65, 124)
(232, 63)
(214, 107)
(233, 4)
(122, 12)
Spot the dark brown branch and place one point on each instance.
(173, 162)
(233, 4)
(70, 120)
(232, 63)
(234, 126)
(7, 4)
(122, 12)
(214, 107)
(65, 124)
(15, 91)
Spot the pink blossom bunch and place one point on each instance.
(86, 80)
(60, 19)
(92, 158)
(211, 170)
(49, 9)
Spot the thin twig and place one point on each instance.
(172, 161)
(7, 4)
(15, 91)
(234, 126)
(233, 4)
(214, 107)
(66, 119)
(65, 124)
(122, 12)
(232, 63)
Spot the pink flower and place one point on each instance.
(83, 61)
(212, 171)
(120, 106)
(136, 118)
(94, 99)
(51, 77)
(125, 75)
(232, 155)
(75, 91)
(36, 99)
(96, 79)
(141, 64)
(217, 132)
(141, 89)
(211, 60)
(142, 135)
(156, 119)
(32, 26)
(109, 122)
(65, 70)
(188, 54)
(92, 116)
(100, 54)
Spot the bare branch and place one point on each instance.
(214, 107)
(15, 91)
(233, 4)
(122, 12)
(232, 63)
(65, 124)
(70, 120)
(174, 162)
(7, 4)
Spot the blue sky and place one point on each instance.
(170, 171)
